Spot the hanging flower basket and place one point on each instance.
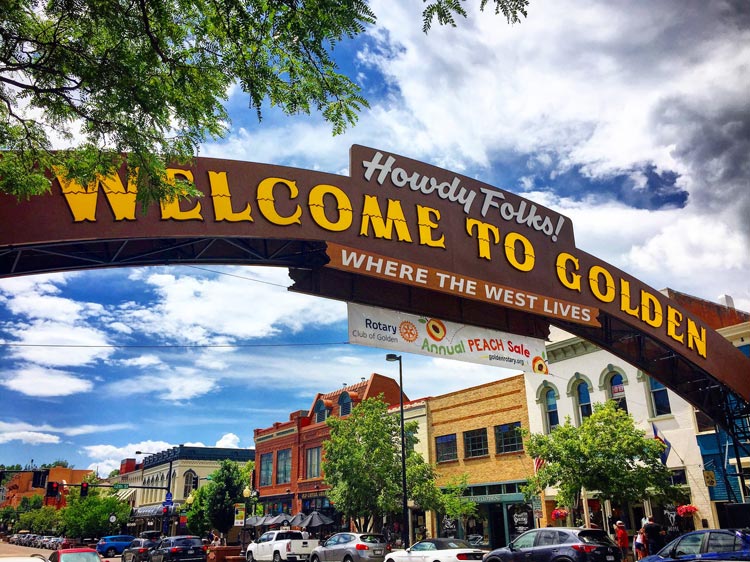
(559, 514)
(686, 510)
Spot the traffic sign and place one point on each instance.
(120, 486)
(168, 497)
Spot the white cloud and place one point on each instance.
(226, 308)
(41, 382)
(229, 440)
(178, 385)
(100, 453)
(29, 437)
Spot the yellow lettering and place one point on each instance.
(267, 202)
(171, 209)
(484, 230)
(674, 320)
(651, 311)
(372, 215)
(596, 274)
(570, 280)
(82, 201)
(528, 252)
(316, 203)
(222, 200)
(427, 225)
(696, 338)
(625, 299)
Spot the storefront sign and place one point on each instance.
(393, 220)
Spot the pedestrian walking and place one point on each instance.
(622, 539)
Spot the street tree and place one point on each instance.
(89, 516)
(99, 79)
(42, 520)
(362, 464)
(456, 505)
(607, 456)
(223, 491)
(198, 522)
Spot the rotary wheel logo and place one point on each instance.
(408, 331)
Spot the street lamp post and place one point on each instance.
(251, 494)
(404, 506)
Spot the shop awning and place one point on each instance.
(123, 495)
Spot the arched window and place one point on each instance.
(191, 483)
(321, 412)
(617, 391)
(584, 400)
(550, 401)
(345, 404)
(659, 398)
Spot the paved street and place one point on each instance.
(14, 550)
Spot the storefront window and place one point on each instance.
(284, 466)
(659, 398)
(266, 469)
(508, 438)
(475, 443)
(445, 448)
(553, 419)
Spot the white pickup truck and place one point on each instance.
(279, 546)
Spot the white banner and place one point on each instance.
(399, 331)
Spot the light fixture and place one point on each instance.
(404, 506)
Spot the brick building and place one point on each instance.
(288, 471)
(476, 431)
(20, 486)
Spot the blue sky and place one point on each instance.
(631, 118)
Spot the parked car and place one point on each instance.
(137, 550)
(182, 548)
(351, 547)
(706, 544)
(75, 555)
(113, 545)
(437, 550)
(68, 542)
(558, 544)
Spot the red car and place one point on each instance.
(75, 555)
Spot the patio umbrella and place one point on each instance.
(280, 519)
(252, 521)
(315, 519)
(297, 519)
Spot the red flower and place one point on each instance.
(559, 513)
(686, 510)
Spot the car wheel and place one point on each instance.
(314, 559)
(276, 557)
(347, 558)
(249, 556)
(111, 552)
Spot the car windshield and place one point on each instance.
(596, 536)
(80, 557)
(187, 541)
(372, 538)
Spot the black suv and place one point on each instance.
(559, 544)
(137, 550)
(184, 548)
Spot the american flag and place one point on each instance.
(538, 464)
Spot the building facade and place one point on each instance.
(289, 454)
(158, 488)
(476, 432)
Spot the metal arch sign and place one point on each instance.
(392, 220)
